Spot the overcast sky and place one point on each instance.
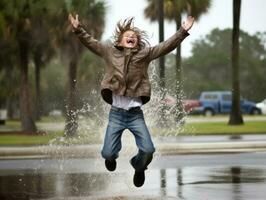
(253, 15)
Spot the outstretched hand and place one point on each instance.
(188, 23)
(74, 21)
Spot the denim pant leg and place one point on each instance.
(142, 136)
(112, 140)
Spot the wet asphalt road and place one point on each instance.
(202, 177)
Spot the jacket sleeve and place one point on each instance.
(91, 43)
(168, 45)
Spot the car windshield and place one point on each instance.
(210, 96)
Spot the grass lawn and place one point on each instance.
(202, 128)
(6, 140)
(215, 128)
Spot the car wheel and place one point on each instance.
(208, 112)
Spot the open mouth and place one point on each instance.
(130, 41)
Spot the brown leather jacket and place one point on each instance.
(126, 71)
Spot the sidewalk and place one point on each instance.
(91, 151)
(223, 118)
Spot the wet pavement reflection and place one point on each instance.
(174, 177)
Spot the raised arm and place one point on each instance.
(171, 43)
(91, 43)
(188, 23)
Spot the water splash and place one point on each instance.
(92, 120)
(91, 123)
(164, 100)
(92, 117)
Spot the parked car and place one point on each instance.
(55, 113)
(220, 102)
(262, 106)
(3, 116)
(188, 104)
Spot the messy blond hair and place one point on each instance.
(128, 25)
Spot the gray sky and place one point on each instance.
(253, 15)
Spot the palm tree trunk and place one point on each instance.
(9, 99)
(26, 115)
(37, 62)
(161, 39)
(235, 115)
(71, 118)
(178, 89)
(162, 121)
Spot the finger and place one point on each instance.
(70, 16)
(77, 17)
(192, 20)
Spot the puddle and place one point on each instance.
(87, 179)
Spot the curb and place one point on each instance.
(212, 147)
(92, 151)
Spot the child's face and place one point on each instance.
(129, 39)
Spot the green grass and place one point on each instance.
(52, 119)
(11, 125)
(6, 140)
(202, 128)
(214, 128)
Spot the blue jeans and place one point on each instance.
(119, 120)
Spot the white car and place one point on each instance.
(262, 106)
(55, 113)
(3, 116)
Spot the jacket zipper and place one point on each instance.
(126, 71)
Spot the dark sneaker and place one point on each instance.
(110, 165)
(139, 178)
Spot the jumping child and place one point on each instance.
(126, 86)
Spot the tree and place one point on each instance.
(42, 48)
(155, 11)
(27, 23)
(72, 49)
(161, 39)
(209, 66)
(17, 16)
(173, 11)
(162, 121)
(8, 72)
(235, 114)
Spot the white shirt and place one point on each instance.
(126, 102)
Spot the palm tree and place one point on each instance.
(235, 114)
(161, 39)
(26, 114)
(42, 48)
(173, 11)
(18, 22)
(31, 33)
(9, 80)
(162, 121)
(93, 13)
